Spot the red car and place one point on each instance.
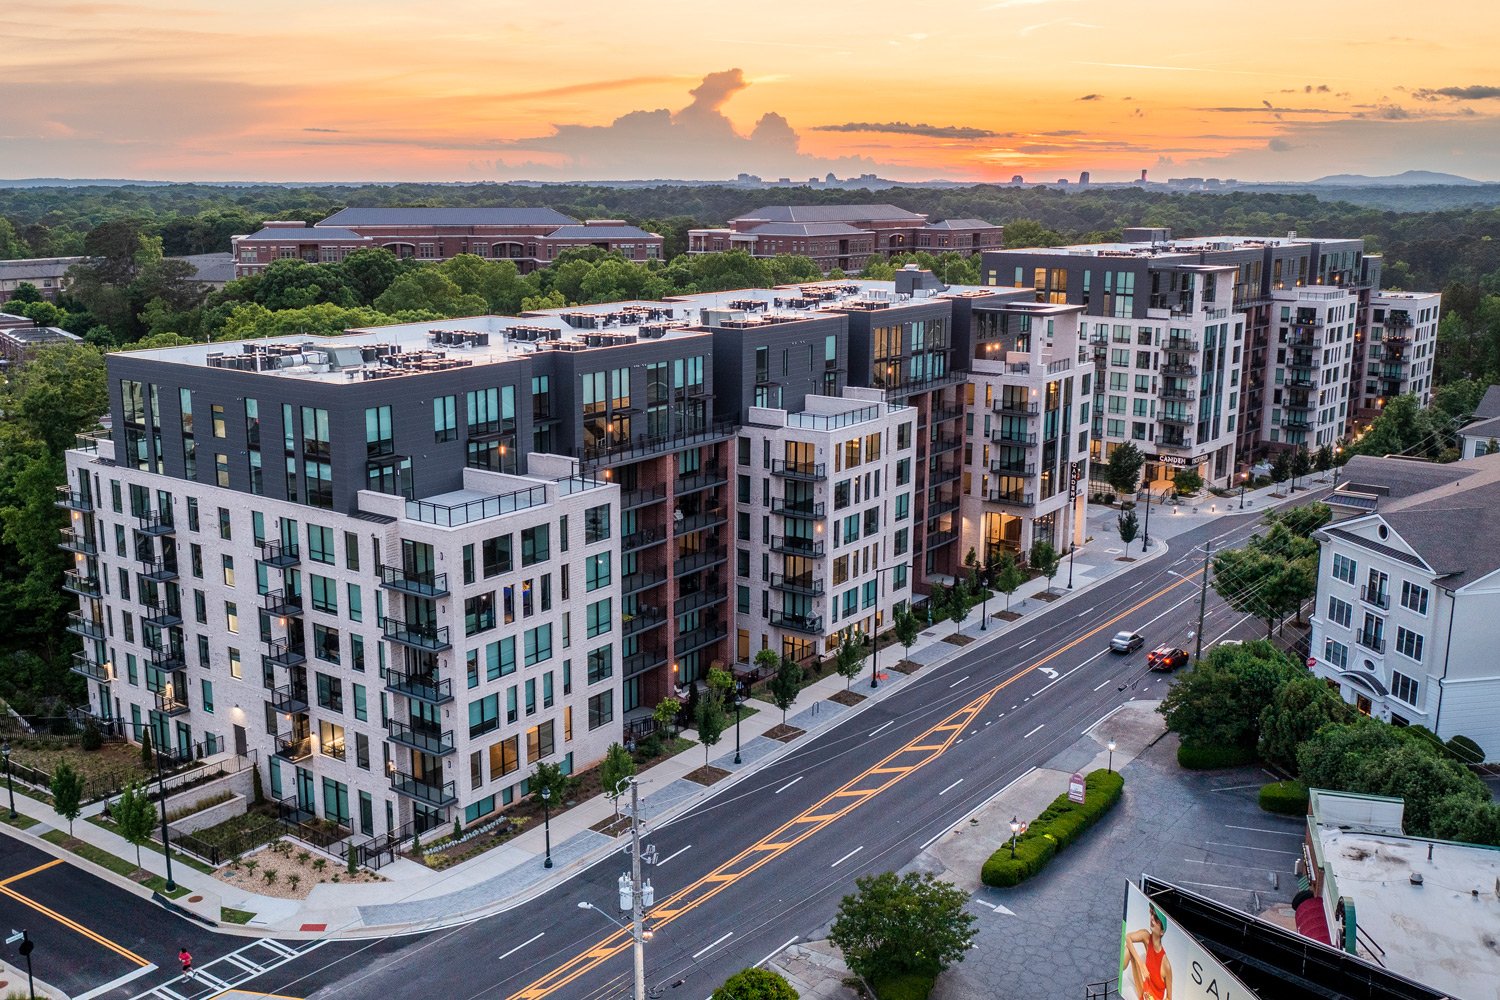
(1166, 658)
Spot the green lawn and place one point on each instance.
(115, 763)
(230, 915)
(21, 822)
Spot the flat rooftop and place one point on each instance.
(381, 352)
(1444, 932)
(1174, 247)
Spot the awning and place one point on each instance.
(1312, 922)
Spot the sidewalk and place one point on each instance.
(416, 898)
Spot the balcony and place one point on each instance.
(616, 452)
(1180, 419)
(73, 500)
(294, 746)
(1301, 381)
(1373, 641)
(171, 701)
(422, 790)
(944, 445)
(797, 508)
(1178, 443)
(77, 541)
(1375, 597)
(167, 657)
(1178, 369)
(290, 698)
(644, 580)
(423, 687)
(81, 584)
(806, 472)
(162, 616)
(286, 653)
(706, 636)
(1179, 394)
(698, 599)
(1000, 466)
(1017, 409)
(417, 583)
(808, 624)
(937, 538)
(642, 661)
(1187, 344)
(788, 546)
(707, 478)
(159, 570)
(695, 561)
(1294, 402)
(86, 667)
(1295, 423)
(938, 508)
(806, 584)
(644, 618)
(643, 539)
(427, 739)
(155, 524)
(710, 517)
(89, 628)
(944, 414)
(1008, 435)
(635, 499)
(417, 635)
(279, 555)
(941, 476)
(1016, 498)
(280, 604)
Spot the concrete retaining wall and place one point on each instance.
(212, 816)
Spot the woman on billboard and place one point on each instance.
(1149, 968)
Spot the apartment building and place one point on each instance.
(843, 236)
(1401, 352)
(1407, 599)
(48, 275)
(529, 237)
(1481, 435)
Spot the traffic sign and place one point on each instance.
(1312, 661)
(15, 936)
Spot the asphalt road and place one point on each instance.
(767, 861)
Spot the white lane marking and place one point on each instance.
(1230, 629)
(778, 951)
(1034, 731)
(674, 854)
(1050, 673)
(1005, 910)
(1026, 643)
(1100, 721)
(958, 682)
(976, 810)
(1082, 613)
(1261, 829)
(882, 729)
(840, 861)
(726, 937)
(1135, 585)
(1101, 685)
(115, 984)
(1223, 864)
(789, 784)
(1214, 885)
(950, 788)
(1234, 788)
(1247, 847)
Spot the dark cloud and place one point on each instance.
(1064, 132)
(913, 128)
(1092, 97)
(322, 129)
(1279, 145)
(1321, 88)
(1474, 93)
(1267, 106)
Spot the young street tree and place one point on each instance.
(711, 720)
(1123, 471)
(1045, 559)
(907, 628)
(1130, 527)
(67, 793)
(135, 816)
(893, 926)
(1008, 577)
(615, 768)
(785, 684)
(850, 659)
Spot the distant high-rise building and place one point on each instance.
(1083, 178)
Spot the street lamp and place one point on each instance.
(1337, 451)
(1146, 540)
(1111, 746)
(737, 702)
(547, 825)
(984, 610)
(5, 751)
(879, 581)
(1015, 828)
(1244, 480)
(161, 788)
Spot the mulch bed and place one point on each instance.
(846, 697)
(783, 732)
(1124, 558)
(958, 640)
(1278, 496)
(707, 774)
(1047, 595)
(1007, 616)
(613, 826)
(907, 666)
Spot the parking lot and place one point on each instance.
(1051, 936)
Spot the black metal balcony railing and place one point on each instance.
(705, 597)
(706, 478)
(162, 616)
(798, 508)
(423, 687)
(286, 653)
(1179, 369)
(418, 583)
(1373, 641)
(280, 604)
(809, 624)
(1180, 418)
(644, 618)
(1295, 402)
(290, 698)
(88, 627)
(634, 583)
(938, 508)
(946, 413)
(279, 555)
(697, 639)
(294, 746)
(941, 475)
(77, 541)
(1009, 435)
(936, 538)
(438, 795)
(1375, 597)
(632, 499)
(74, 500)
(707, 518)
(428, 739)
(1182, 344)
(802, 584)
(1006, 407)
(418, 635)
(81, 584)
(171, 701)
(84, 665)
(1301, 381)
(167, 656)
(155, 523)
(642, 661)
(612, 452)
(1000, 466)
(694, 561)
(1292, 423)
(1019, 498)
(1179, 393)
(645, 538)
(943, 445)
(807, 472)
(790, 546)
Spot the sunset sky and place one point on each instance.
(499, 89)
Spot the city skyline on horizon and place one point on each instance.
(184, 90)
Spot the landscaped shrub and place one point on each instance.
(1196, 758)
(1059, 825)
(909, 986)
(1465, 750)
(1288, 798)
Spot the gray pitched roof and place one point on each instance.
(1392, 478)
(806, 229)
(1487, 428)
(961, 224)
(448, 217)
(291, 234)
(211, 267)
(831, 213)
(39, 267)
(600, 233)
(1453, 526)
(1489, 405)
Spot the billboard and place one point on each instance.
(1161, 961)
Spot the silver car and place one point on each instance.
(1126, 642)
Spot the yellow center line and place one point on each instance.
(71, 925)
(812, 819)
(33, 871)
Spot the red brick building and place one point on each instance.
(530, 237)
(844, 236)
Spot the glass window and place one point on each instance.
(535, 544)
(600, 617)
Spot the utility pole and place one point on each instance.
(1203, 601)
(635, 890)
